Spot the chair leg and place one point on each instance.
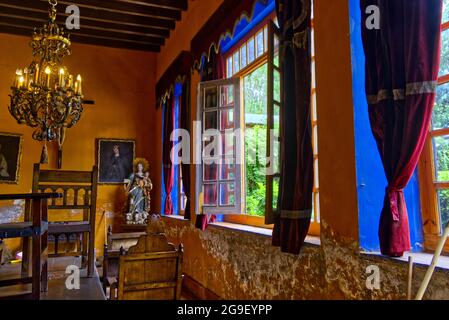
(25, 257)
(91, 257)
(84, 251)
(44, 258)
(36, 261)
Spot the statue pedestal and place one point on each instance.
(133, 227)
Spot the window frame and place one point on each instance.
(199, 182)
(267, 25)
(429, 185)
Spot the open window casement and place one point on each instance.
(218, 177)
(274, 105)
(228, 138)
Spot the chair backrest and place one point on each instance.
(151, 270)
(79, 188)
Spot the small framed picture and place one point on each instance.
(115, 160)
(10, 157)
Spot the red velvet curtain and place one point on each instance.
(402, 61)
(169, 124)
(185, 124)
(212, 69)
(296, 184)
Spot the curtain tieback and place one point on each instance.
(392, 194)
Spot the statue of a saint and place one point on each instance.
(138, 189)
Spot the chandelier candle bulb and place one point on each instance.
(80, 92)
(48, 73)
(36, 74)
(17, 78)
(61, 77)
(21, 81)
(26, 77)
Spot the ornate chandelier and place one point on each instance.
(44, 95)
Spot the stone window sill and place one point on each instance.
(311, 240)
(423, 259)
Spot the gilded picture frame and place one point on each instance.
(114, 158)
(11, 148)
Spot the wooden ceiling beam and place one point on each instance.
(170, 4)
(31, 24)
(117, 6)
(90, 40)
(40, 18)
(93, 14)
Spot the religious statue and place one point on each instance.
(138, 189)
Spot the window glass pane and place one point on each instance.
(211, 98)
(210, 194)
(229, 67)
(251, 50)
(227, 197)
(236, 62)
(227, 143)
(276, 119)
(443, 201)
(210, 172)
(255, 98)
(210, 120)
(259, 44)
(265, 39)
(210, 146)
(445, 11)
(276, 152)
(440, 117)
(275, 192)
(444, 67)
(441, 150)
(227, 171)
(243, 61)
(227, 96)
(226, 119)
(183, 202)
(277, 86)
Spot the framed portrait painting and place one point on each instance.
(10, 157)
(115, 160)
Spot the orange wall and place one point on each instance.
(191, 22)
(122, 84)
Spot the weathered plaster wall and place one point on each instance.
(122, 84)
(241, 265)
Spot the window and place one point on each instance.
(255, 47)
(220, 172)
(434, 166)
(254, 63)
(177, 193)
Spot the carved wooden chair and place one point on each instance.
(115, 244)
(150, 270)
(75, 186)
